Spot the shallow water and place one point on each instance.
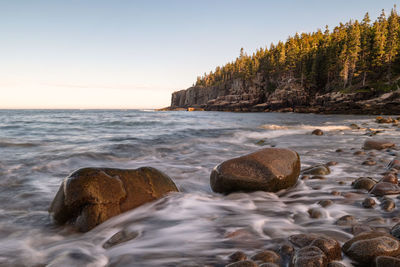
(196, 227)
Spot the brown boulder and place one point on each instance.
(269, 169)
(365, 247)
(384, 188)
(378, 144)
(89, 196)
(309, 256)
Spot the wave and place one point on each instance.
(306, 127)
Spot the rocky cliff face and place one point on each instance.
(254, 95)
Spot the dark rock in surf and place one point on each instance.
(384, 188)
(317, 170)
(267, 256)
(368, 203)
(330, 247)
(237, 256)
(387, 261)
(388, 204)
(363, 183)
(346, 220)
(269, 169)
(309, 256)
(377, 144)
(365, 247)
(90, 196)
(317, 132)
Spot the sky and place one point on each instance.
(134, 54)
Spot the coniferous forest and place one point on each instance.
(355, 56)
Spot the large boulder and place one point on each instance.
(269, 169)
(365, 247)
(378, 144)
(89, 196)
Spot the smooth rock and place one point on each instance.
(335, 264)
(388, 204)
(387, 261)
(309, 256)
(237, 256)
(317, 170)
(269, 264)
(266, 256)
(390, 178)
(90, 196)
(269, 169)
(119, 238)
(317, 132)
(365, 247)
(330, 247)
(368, 203)
(363, 183)
(346, 220)
(325, 203)
(377, 144)
(384, 188)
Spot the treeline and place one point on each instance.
(354, 55)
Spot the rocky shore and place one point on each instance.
(90, 196)
(254, 96)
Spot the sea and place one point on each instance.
(195, 227)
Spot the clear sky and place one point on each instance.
(134, 54)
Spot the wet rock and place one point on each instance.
(305, 177)
(317, 170)
(269, 169)
(359, 153)
(369, 162)
(395, 231)
(317, 177)
(354, 126)
(76, 257)
(90, 196)
(360, 228)
(331, 163)
(387, 261)
(368, 203)
(388, 204)
(380, 119)
(363, 183)
(237, 256)
(384, 188)
(317, 132)
(245, 263)
(339, 150)
(325, 203)
(377, 144)
(316, 213)
(346, 220)
(267, 256)
(335, 193)
(366, 246)
(309, 256)
(390, 178)
(119, 238)
(395, 164)
(330, 247)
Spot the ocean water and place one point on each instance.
(196, 227)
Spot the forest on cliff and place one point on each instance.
(355, 56)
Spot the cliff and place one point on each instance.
(255, 96)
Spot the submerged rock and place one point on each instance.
(245, 263)
(317, 132)
(237, 256)
(384, 188)
(90, 196)
(365, 247)
(267, 256)
(387, 261)
(377, 144)
(317, 170)
(269, 169)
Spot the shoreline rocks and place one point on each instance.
(269, 169)
(90, 196)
